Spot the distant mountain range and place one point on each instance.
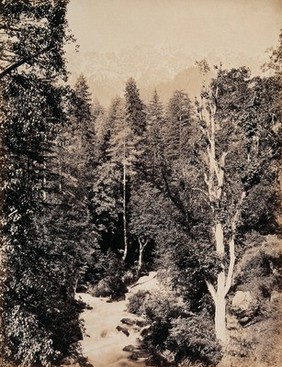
(153, 68)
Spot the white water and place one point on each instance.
(102, 343)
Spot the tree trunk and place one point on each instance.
(220, 293)
(214, 180)
(220, 312)
(124, 207)
(214, 183)
(141, 252)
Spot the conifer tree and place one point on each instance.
(153, 157)
(124, 153)
(135, 108)
(179, 119)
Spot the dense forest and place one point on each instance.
(93, 198)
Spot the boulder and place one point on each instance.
(129, 348)
(244, 306)
(242, 300)
(123, 330)
(127, 321)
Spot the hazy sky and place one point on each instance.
(196, 26)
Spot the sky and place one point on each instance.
(200, 27)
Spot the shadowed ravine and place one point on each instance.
(103, 344)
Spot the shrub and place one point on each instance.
(130, 276)
(27, 341)
(176, 333)
(136, 303)
(193, 339)
(111, 286)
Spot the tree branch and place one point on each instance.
(211, 290)
(231, 265)
(234, 223)
(23, 61)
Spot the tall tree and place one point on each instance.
(124, 153)
(153, 155)
(135, 108)
(39, 316)
(179, 118)
(79, 162)
(232, 166)
(213, 195)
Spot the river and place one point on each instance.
(103, 344)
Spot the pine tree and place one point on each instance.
(153, 157)
(179, 119)
(135, 108)
(79, 158)
(124, 153)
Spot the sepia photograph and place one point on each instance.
(140, 183)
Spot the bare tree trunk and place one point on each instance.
(220, 294)
(124, 206)
(142, 246)
(215, 181)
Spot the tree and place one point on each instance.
(275, 60)
(103, 127)
(179, 117)
(135, 108)
(79, 162)
(211, 199)
(232, 166)
(153, 155)
(145, 221)
(124, 153)
(33, 33)
(39, 315)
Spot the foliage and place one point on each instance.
(36, 345)
(137, 302)
(179, 118)
(193, 339)
(39, 315)
(135, 108)
(34, 35)
(178, 334)
(111, 283)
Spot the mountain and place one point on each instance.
(107, 73)
(153, 68)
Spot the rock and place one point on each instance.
(232, 323)
(127, 321)
(145, 330)
(242, 300)
(244, 306)
(138, 355)
(123, 330)
(67, 361)
(129, 348)
(141, 323)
